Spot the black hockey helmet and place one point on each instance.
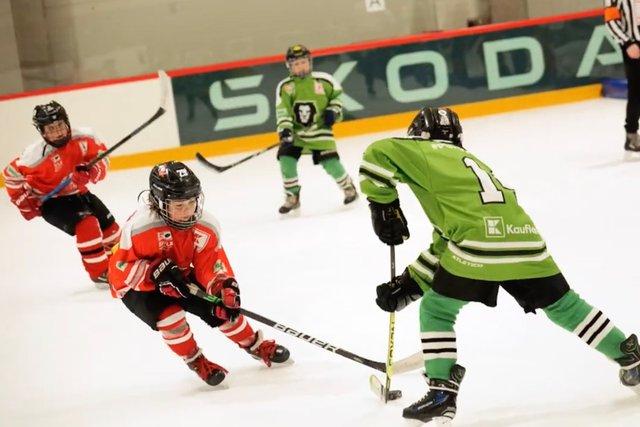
(437, 123)
(46, 114)
(171, 181)
(295, 52)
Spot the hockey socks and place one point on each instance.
(438, 315)
(289, 172)
(176, 333)
(89, 243)
(239, 331)
(591, 325)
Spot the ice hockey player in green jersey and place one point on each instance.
(482, 241)
(307, 107)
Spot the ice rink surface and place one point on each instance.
(74, 357)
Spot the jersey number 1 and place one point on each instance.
(489, 193)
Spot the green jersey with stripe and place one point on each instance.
(300, 104)
(480, 230)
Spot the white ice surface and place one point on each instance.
(73, 356)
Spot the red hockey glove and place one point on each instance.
(229, 306)
(83, 174)
(170, 280)
(28, 204)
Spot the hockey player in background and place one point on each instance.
(168, 244)
(482, 241)
(64, 152)
(307, 107)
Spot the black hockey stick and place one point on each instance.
(404, 365)
(164, 82)
(244, 159)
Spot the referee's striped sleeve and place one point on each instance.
(620, 18)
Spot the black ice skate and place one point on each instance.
(210, 372)
(291, 202)
(267, 351)
(350, 194)
(439, 404)
(632, 146)
(630, 363)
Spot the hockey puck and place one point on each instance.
(395, 394)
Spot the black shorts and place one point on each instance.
(530, 294)
(317, 155)
(148, 306)
(66, 212)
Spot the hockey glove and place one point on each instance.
(229, 306)
(389, 222)
(170, 280)
(28, 204)
(286, 137)
(398, 293)
(329, 118)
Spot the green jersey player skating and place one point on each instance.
(482, 241)
(307, 106)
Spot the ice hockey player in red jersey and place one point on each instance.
(169, 243)
(64, 152)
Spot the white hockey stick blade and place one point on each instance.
(409, 363)
(379, 389)
(165, 84)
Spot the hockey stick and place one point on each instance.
(385, 392)
(404, 365)
(224, 168)
(164, 82)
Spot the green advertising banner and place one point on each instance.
(393, 79)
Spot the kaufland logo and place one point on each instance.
(494, 226)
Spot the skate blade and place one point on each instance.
(631, 156)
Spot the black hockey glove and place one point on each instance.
(286, 137)
(329, 118)
(170, 280)
(389, 222)
(399, 293)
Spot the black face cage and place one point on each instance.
(162, 207)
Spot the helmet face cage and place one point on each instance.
(173, 181)
(434, 123)
(296, 52)
(46, 114)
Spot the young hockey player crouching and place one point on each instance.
(471, 256)
(167, 245)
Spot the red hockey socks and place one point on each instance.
(176, 332)
(110, 236)
(89, 243)
(240, 332)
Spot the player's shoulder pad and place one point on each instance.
(321, 75)
(34, 153)
(144, 219)
(210, 223)
(281, 83)
(83, 132)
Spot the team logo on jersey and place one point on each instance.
(165, 240)
(494, 226)
(305, 112)
(57, 162)
(318, 88)
(288, 88)
(201, 239)
(219, 267)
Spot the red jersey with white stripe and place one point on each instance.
(146, 240)
(41, 167)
